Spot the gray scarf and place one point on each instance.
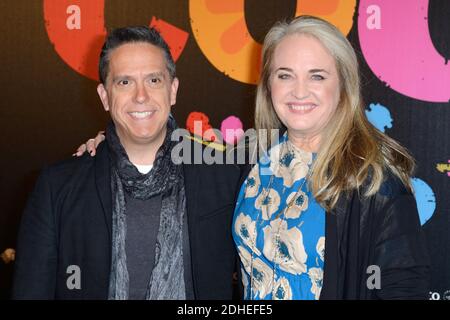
(166, 179)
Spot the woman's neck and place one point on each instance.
(305, 143)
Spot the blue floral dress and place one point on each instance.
(276, 208)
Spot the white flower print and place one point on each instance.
(245, 282)
(262, 278)
(268, 203)
(244, 227)
(282, 290)
(320, 248)
(252, 183)
(316, 277)
(304, 156)
(261, 275)
(291, 164)
(300, 204)
(288, 252)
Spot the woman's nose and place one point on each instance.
(300, 89)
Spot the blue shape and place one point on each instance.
(300, 200)
(287, 159)
(284, 251)
(425, 199)
(379, 116)
(244, 232)
(257, 275)
(266, 201)
(280, 293)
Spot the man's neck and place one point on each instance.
(142, 153)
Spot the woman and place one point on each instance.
(328, 212)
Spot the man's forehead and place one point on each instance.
(135, 54)
(141, 50)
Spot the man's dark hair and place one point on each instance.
(120, 36)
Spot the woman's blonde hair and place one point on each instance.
(353, 149)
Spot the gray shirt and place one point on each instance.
(142, 230)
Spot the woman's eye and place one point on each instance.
(284, 76)
(317, 77)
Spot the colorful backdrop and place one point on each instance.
(48, 78)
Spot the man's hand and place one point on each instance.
(9, 255)
(90, 145)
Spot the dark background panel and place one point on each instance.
(47, 109)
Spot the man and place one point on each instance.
(129, 223)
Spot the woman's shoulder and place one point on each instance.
(390, 189)
(392, 185)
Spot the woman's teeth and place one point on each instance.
(301, 108)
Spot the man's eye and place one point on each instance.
(124, 82)
(156, 82)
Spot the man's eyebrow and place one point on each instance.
(121, 77)
(157, 73)
(128, 77)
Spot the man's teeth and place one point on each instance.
(141, 114)
(301, 108)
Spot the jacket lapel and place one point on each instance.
(103, 183)
(191, 191)
(336, 226)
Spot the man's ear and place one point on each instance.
(103, 96)
(173, 91)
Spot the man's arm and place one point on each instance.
(36, 257)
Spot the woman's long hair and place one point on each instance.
(351, 149)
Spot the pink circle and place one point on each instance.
(232, 129)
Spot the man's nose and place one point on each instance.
(141, 94)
